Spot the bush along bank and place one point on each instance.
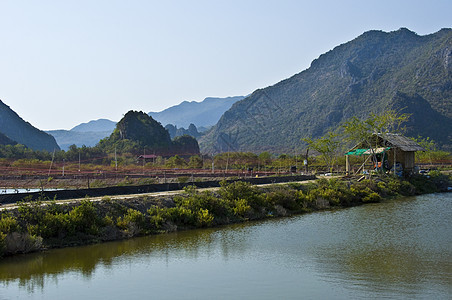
(34, 226)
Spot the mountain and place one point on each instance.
(202, 114)
(175, 132)
(100, 125)
(88, 134)
(374, 72)
(4, 140)
(22, 132)
(138, 132)
(66, 138)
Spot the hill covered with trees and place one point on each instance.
(137, 132)
(372, 73)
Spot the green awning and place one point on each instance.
(367, 151)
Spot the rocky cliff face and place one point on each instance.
(374, 72)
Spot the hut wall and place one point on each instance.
(405, 158)
(409, 160)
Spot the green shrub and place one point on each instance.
(384, 189)
(441, 181)
(108, 221)
(2, 244)
(204, 218)
(8, 224)
(423, 184)
(181, 216)
(55, 225)
(372, 197)
(156, 217)
(284, 197)
(241, 208)
(394, 184)
(407, 189)
(84, 218)
(30, 212)
(242, 190)
(194, 200)
(133, 222)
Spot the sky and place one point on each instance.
(63, 63)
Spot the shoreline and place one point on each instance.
(32, 227)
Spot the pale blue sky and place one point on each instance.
(67, 62)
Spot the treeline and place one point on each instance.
(92, 157)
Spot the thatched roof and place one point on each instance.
(400, 141)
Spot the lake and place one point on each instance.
(398, 249)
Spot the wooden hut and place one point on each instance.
(392, 152)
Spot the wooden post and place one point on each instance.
(347, 165)
(395, 160)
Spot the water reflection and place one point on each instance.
(31, 269)
(398, 245)
(400, 248)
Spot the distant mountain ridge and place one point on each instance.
(87, 134)
(374, 72)
(100, 125)
(66, 138)
(202, 114)
(15, 128)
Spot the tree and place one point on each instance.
(195, 162)
(175, 162)
(365, 131)
(327, 146)
(432, 154)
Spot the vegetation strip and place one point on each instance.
(33, 226)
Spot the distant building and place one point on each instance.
(147, 157)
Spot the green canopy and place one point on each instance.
(366, 151)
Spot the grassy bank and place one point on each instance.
(34, 226)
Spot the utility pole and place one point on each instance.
(227, 161)
(116, 161)
(213, 164)
(296, 160)
(51, 163)
(144, 158)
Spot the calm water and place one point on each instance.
(14, 191)
(398, 250)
